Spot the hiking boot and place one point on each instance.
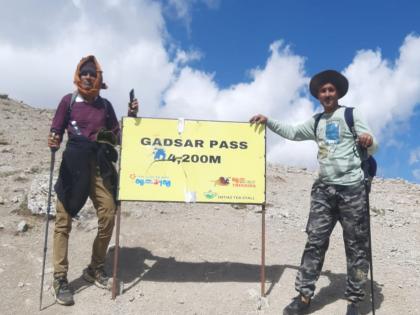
(297, 307)
(97, 276)
(62, 291)
(352, 309)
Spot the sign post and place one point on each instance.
(177, 160)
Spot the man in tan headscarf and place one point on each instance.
(86, 171)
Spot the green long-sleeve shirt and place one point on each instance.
(339, 162)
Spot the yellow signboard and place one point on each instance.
(192, 161)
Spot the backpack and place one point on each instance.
(368, 165)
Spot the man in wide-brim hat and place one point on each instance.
(338, 194)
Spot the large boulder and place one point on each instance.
(38, 195)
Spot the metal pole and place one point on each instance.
(47, 219)
(116, 251)
(263, 251)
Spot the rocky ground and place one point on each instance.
(192, 258)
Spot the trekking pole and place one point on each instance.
(370, 247)
(53, 150)
(364, 156)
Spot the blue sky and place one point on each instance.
(328, 33)
(234, 36)
(227, 60)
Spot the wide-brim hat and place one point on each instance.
(329, 76)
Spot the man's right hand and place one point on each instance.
(54, 141)
(133, 108)
(258, 119)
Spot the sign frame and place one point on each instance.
(262, 195)
(262, 204)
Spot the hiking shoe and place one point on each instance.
(62, 291)
(352, 309)
(97, 276)
(297, 307)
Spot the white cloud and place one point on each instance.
(182, 57)
(38, 56)
(414, 156)
(416, 173)
(387, 92)
(181, 9)
(129, 41)
(274, 91)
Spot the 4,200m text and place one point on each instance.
(195, 158)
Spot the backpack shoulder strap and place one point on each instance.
(348, 116)
(70, 107)
(106, 104)
(317, 119)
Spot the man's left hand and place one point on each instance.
(365, 140)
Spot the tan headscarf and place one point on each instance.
(89, 94)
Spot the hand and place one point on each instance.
(133, 108)
(54, 141)
(258, 119)
(365, 140)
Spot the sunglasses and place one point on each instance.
(88, 72)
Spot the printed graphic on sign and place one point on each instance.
(204, 161)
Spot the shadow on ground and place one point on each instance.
(138, 264)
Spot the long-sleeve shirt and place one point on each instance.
(85, 118)
(339, 161)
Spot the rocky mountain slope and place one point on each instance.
(192, 258)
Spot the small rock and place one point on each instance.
(2, 201)
(285, 214)
(21, 178)
(262, 303)
(21, 284)
(120, 287)
(34, 169)
(132, 299)
(7, 150)
(1, 226)
(22, 226)
(15, 199)
(238, 206)
(252, 293)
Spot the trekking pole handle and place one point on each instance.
(53, 149)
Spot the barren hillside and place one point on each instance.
(194, 258)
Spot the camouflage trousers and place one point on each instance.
(329, 204)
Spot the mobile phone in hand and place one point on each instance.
(132, 96)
